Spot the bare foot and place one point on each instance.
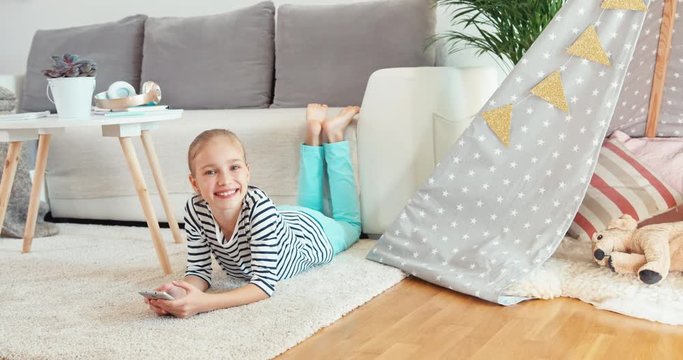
(334, 127)
(315, 115)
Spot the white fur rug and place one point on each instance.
(571, 272)
(75, 296)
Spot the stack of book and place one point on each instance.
(24, 116)
(129, 111)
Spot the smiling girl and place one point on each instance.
(248, 236)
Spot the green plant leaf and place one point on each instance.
(503, 28)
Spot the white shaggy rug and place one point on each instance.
(571, 272)
(75, 296)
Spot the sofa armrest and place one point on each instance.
(13, 83)
(409, 118)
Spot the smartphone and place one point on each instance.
(152, 294)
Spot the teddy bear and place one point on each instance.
(651, 251)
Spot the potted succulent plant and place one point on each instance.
(72, 83)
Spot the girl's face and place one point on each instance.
(221, 175)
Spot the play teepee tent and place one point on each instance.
(499, 203)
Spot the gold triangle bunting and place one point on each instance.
(588, 47)
(638, 5)
(551, 90)
(498, 120)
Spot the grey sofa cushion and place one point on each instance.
(212, 62)
(326, 53)
(116, 47)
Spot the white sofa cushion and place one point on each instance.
(271, 138)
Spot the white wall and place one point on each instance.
(19, 19)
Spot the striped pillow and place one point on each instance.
(621, 185)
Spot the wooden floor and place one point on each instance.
(417, 320)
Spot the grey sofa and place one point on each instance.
(253, 71)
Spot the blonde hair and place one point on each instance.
(204, 137)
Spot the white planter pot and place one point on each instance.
(72, 96)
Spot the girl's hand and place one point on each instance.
(159, 311)
(175, 291)
(192, 302)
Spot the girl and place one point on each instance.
(241, 227)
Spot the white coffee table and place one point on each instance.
(15, 132)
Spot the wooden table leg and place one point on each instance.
(34, 202)
(8, 172)
(161, 184)
(146, 202)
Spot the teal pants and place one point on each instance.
(343, 227)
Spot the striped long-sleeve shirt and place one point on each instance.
(267, 245)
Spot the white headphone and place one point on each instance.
(121, 95)
(120, 89)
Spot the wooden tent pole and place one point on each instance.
(661, 61)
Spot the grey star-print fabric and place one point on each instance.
(630, 115)
(490, 213)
